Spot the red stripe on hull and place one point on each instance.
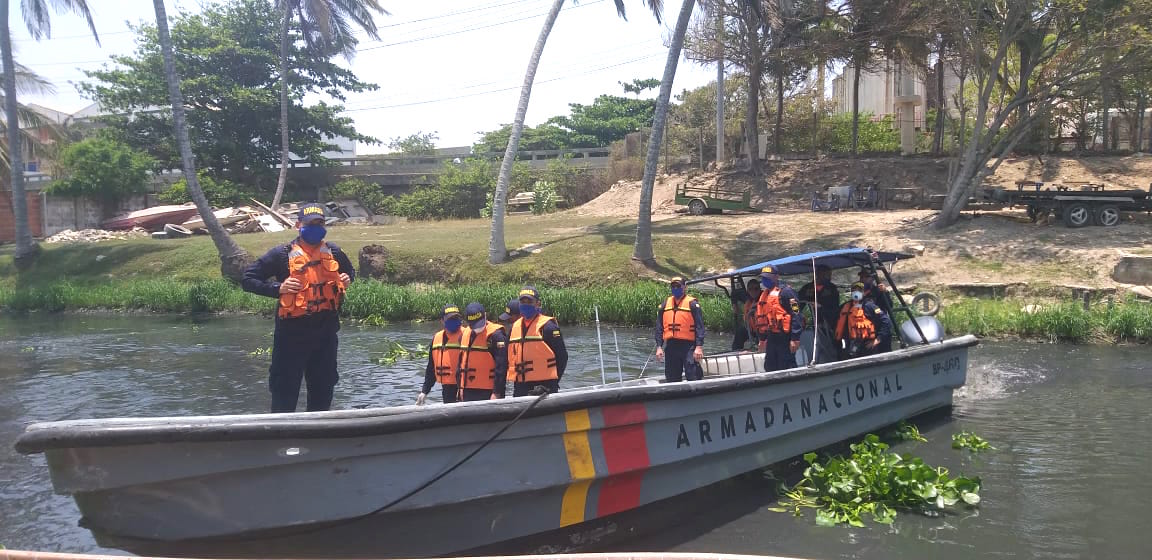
(625, 455)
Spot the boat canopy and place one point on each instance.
(803, 264)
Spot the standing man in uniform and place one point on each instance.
(536, 353)
(824, 295)
(484, 364)
(863, 329)
(680, 334)
(875, 291)
(444, 357)
(745, 308)
(510, 314)
(309, 277)
(778, 321)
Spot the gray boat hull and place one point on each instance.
(307, 485)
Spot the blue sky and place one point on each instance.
(450, 66)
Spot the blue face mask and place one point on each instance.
(528, 311)
(767, 283)
(313, 234)
(452, 325)
(678, 292)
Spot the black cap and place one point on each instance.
(511, 311)
(474, 312)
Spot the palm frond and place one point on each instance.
(39, 22)
(30, 83)
(657, 7)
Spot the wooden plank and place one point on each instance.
(289, 223)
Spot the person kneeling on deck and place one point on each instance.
(444, 357)
(778, 321)
(308, 277)
(680, 335)
(864, 328)
(484, 364)
(536, 353)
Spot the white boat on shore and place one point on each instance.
(423, 481)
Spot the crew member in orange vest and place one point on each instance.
(680, 335)
(308, 276)
(778, 321)
(444, 357)
(484, 364)
(745, 307)
(536, 353)
(863, 327)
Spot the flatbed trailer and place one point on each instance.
(713, 199)
(1077, 204)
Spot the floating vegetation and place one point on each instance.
(875, 482)
(261, 351)
(970, 441)
(397, 351)
(907, 432)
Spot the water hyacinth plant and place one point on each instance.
(970, 441)
(908, 432)
(397, 351)
(875, 482)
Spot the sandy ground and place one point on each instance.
(1001, 246)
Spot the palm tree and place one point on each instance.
(28, 83)
(327, 27)
(233, 259)
(642, 251)
(497, 250)
(39, 25)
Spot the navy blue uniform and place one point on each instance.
(778, 354)
(678, 362)
(303, 348)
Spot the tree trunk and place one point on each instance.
(642, 250)
(719, 84)
(778, 147)
(1139, 137)
(26, 247)
(497, 251)
(855, 109)
(941, 103)
(286, 18)
(233, 259)
(752, 104)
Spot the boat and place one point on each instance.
(449, 479)
(226, 217)
(29, 555)
(151, 219)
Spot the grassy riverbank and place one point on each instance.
(1051, 321)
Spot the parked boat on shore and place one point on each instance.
(380, 482)
(151, 219)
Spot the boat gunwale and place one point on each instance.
(46, 436)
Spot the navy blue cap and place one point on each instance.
(450, 310)
(528, 291)
(511, 311)
(310, 211)
(474, 312)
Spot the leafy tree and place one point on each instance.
(420, 143)
(228, 52)
(39, 25)
(609, 118)
(220, 193)
(497, 250)
(547, 136)
(638, 86)
(326, 27)
(101, 168)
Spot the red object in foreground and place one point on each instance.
(151, 219)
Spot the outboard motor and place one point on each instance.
(931, 328)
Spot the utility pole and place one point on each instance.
(719, 82)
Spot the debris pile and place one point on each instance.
(94, 235)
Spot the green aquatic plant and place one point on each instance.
(875, 482)
(261, 351)
(907, 432)
(397, 351)
(970, 441)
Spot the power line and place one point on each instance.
(468, 30)
(536, 83)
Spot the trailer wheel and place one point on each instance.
(1077, 215)
(1108, 215)
(926, 303)
(697, 207)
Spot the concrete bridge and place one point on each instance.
(398, 171)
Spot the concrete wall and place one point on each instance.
(75, 213)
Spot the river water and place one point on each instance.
(1069, 477)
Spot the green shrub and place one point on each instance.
(220, 193)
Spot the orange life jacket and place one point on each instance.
(677, 319)
(319, 274)
(854, 324)
(446, 352)
(750, 313)
(529, 358)
(771, 317)
(477, 366)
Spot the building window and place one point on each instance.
(32, 167)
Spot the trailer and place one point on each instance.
(713, 199)
(1077, 204)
